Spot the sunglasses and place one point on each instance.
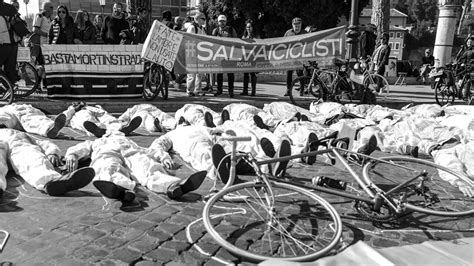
(62, 11)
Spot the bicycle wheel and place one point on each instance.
(303, 92)
(6, 90)
(165, 86)
(152, 81)
(29, 80)
(293, 225)
(378, 83)
(444, 93)
(433, 196)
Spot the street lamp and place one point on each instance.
(102, 5)
(353, 33)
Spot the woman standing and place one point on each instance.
(62, 29)
(98, 28)
(249, 34)
(85, 29)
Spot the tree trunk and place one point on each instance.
(381, 16)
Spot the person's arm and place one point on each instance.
(160, 147)
(90, 35)
(103, 32)
(37, 25)
(76, 152)
(215, 32)
(51, 35)
(48, 147)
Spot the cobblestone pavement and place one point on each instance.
(84, 227)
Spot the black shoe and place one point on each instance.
(191, 94)
(286, 94)
(222, 165)
(297, 116)
(267, 147)
(72, 181)
(182, 121)
(284, 150)
(157, 124)
(208, 119)
(191, 183)
(370, 147)
(134, 124)
(59, 123)
(3, 126)
(259, 122)
(113, 191)
(94, 129)
(231, 95)
(304, 118)
(217, 93)
(311, 145)
(225, 116)
(412, 150)
(244, 93)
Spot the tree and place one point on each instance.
(381, 16)
(273, 17)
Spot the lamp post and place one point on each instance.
(102, 5)
(353, 33)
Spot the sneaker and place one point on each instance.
(94, 129)
(113, 191)
(134, 124)
(208, 119)
(191, 183)
(157, 125)
(370, 147)
(222, 165)
(284, 150)
(304, 118)
(267, 147)
(311, 145)
(72, 181)
(225, 116)
(259, 122)
(59, 123)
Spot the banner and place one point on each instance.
(209, 54)
(93, 71)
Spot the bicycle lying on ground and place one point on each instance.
(271, 218)
(451, 81)
(155, 82)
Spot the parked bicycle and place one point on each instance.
(270, 218)
(451, 81)
(6, 89)
(155, 82)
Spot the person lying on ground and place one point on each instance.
(153, 119)
(285, 111)
(119, 161)
(197, 114)
(35, 161)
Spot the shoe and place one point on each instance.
(134, 124)
(182, 121)
(59, 123)
(259, 122)
(113, 191)
(191, 94)
(412, 150)
(3, 126)
(286, 94)
(311, 145)
(304, 118)
(222, 165)
(297, 116)
(252, 94)
(231, 95)
(370, 147)
(94, 129)
(217, 93)
(157, 125)
(72, 181)
(208, 119)
(267, 147)
(244, 93)
(225, 116)
(284, 150)
(191, 183)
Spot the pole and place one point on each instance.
(102, 12)
(449, 11)
(353, 33)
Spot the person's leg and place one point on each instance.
(34, 121)
(3, 167)
(230, 77)
(190, 84)
(197, 84)
(245, 84)
(289, 80)
(77, 121)
(220, 80)
(113, 179)
(253, 80)
(9, 65)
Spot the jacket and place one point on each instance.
(88, 34)
(60, 35)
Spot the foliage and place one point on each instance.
(273, 17)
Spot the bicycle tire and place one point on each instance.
(6, 89)
(247, 234)
(312, 91)
(165, 84)
(152, 81)
(444, 93)
(451, 200)
(375, 86)
(29, 80)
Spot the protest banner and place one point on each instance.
(162, 45)
(93, 71)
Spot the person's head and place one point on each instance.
(98, 20)
(428, 52)
(385, 38)
(200, 19)
(371, 27)
(310, 28)
(142, 12)
(221, 20)
(469, 43)
(167, 15)
(80, 19)
(249, 27)
(62, 12)
(15, 4)
(117, 9)
(296, 24)
(48, 9)
(178, 20)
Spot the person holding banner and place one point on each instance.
(295, 30)
(249, 34)
(63, 30)
(224, 31)
(193, 82)
(115, 26)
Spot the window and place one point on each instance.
(391, 35)
(390, 44)
(399, 35)
(397, 46)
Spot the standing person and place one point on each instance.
(224, 31)
(114, 26)
(193, 82)
(367, 41)
(41, 25)
(140, 26)
(178, 23)
(86, 30)
(62, 30)
(98, 28)
(427, 62)
(381, 55)
(295, 30)
(8, 42)
(249, 34)
(167, 17)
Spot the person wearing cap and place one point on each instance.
(367, 41)
(427, 63)
(224, 31)
(296, 29)
(467, 58)
(381, 55)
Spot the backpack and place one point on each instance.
(19, 26)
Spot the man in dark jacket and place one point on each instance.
(296, 29)
(115, 26)
(140, 27)
(8, 43)
(368, 41)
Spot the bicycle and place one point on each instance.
(450, 83)
(277, 219)
(373, 81)
(155, 82)
(28, 78)
(6, 89)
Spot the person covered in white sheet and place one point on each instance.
(197, 114)
(35, 161)
(27, 118)
(153, 119)
(118, 161)
(284, 111)
(249, 113)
